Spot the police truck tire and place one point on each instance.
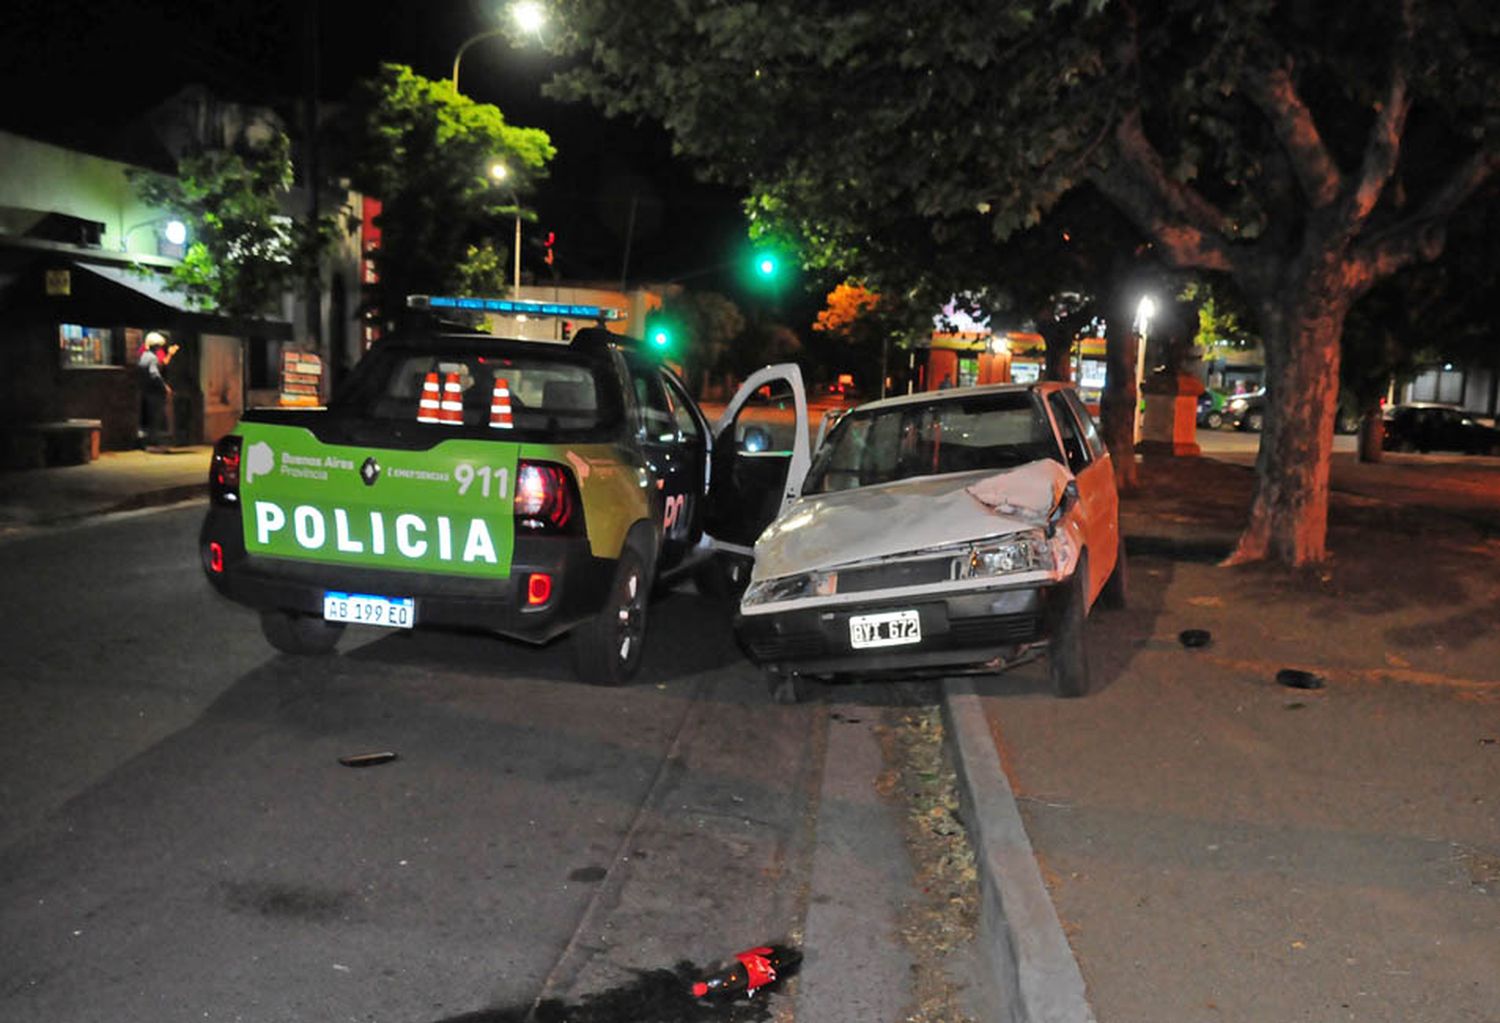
(607, 647)
(293, 633)
(1067, 658)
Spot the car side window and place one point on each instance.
(1072, 441)
(657, 421)
(1090, 428)
(682, 412)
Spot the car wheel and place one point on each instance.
(1116, 587)
(1068, 662)
(722, 577)
(293, 633)
(607, 648)
(786, 689)
(1214, 420)
(1254, 421)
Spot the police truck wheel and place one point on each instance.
(607, 648)
(1067, 659)
(300, 634)
(1214, 420)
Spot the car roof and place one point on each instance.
(957, 393)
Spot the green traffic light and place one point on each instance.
(766, 265)
(660, 337)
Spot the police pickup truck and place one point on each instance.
(531, 489)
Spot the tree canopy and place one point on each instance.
(244, 253)
(429, 155)
(1307, 151)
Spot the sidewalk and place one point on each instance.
(1205, 844)
(118, 481)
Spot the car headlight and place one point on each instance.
(1021, 552)
(790, 587)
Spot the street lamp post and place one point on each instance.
(499, 172)
(528, 17)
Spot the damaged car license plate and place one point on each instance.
(889, 628)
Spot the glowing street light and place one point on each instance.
(527, 15)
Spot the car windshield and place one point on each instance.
(559, 392)
(929, 438)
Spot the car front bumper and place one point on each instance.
(580, 584)
(976, 631)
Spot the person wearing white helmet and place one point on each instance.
(156, 396)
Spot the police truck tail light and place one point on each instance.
(547, 499)
(215, 557)
(224, 473)
(538, 589)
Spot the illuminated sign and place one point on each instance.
(515, 307)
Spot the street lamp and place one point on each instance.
(174, 231)
(499, 173)
(528, 17)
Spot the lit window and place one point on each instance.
(82, 347)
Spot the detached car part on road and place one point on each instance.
(529, 489)
(941, 533)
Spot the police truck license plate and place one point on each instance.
(369, 609)
(889, 628)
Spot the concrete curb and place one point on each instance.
(1037, 978)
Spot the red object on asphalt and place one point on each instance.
(749, 971)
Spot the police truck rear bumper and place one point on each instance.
(579, 584)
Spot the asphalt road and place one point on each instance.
(178, 840)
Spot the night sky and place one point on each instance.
(77, 71)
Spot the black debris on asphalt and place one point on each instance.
(1195, 637)
(1296, 678)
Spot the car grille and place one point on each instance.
(990, 630)
(895, 575)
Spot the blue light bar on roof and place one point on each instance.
(514, 307)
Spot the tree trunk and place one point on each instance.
(1118, 403)
(1289, 512)
(1059, 352)
(1371, 436)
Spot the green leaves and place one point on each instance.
(426, 152)
(245, 251)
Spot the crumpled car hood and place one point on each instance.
(868, 523)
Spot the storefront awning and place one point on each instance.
(148, 285)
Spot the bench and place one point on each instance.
(36, 445)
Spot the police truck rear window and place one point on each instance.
(524, 391)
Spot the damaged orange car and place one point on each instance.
(949, 532)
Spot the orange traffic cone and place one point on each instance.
(500, 418)
(451, 413)
(427, 408)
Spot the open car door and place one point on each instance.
(759, 457)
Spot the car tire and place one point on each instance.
(1067, 657)
(1115, 594)
(299, 634)
(786, 689)
(1254, 421)
(722, 577)
(607, 647)
(1213, 420)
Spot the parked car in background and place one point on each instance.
(1211, 408)
(947, 532)
(1246, 411)
(1430, 426)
